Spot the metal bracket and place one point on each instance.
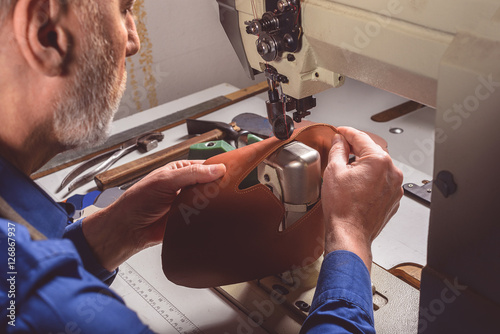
(421, 193)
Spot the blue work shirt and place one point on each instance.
(56, 285)
(343, 301)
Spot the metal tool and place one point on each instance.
(145, 142)
(140, 167)
(255, 124)
(293, 173)
(104, 199)
(232, 130)
(210, 131)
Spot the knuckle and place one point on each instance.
(363, 134)
(182, 163)
(399, 175)
(196, 169)
(383, 159)
(173, 165)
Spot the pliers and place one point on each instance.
(145, 143)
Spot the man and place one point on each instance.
(62, 76)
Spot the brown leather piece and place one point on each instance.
(376, 138)
(218, 234)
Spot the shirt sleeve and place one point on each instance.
(343, 301)
(74, 233)
(53, 293)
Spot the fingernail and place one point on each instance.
(217, 169)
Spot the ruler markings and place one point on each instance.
(157, 301)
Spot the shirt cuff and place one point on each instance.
(344, 276)
(74, 233)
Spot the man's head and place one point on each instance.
(69, 56)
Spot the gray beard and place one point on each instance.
(85, 110)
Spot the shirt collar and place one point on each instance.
(31, 202)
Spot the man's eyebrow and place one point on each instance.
(129, 3)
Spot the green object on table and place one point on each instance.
(207, 150)
(210, 149)
(252, 139)
(252, 178)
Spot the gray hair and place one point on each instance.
(6, 7)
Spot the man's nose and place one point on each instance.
(133, 43)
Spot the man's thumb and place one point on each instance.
(197, 173)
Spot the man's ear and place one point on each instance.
(41, 35)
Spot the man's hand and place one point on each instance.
(358, 198)
(137, 219)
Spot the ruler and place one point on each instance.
(157, 301)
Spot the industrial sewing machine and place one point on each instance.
(444, 54)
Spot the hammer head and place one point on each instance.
(196, 127)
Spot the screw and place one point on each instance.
(410, 185)
(263, 48)
(288, 40)
(282, 4)
(253, 28)
(281, 289)
(283, 79)
(396, 131)
(303, 306)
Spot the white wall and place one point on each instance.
(184, 50)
